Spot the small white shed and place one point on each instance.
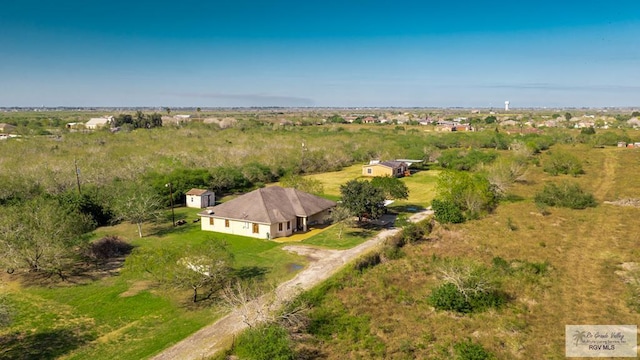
(200, 198)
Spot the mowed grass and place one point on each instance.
(126, 315)
(421, 184)
(584, 250)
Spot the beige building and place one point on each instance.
(6, 128)
(267, 213)
(385, 168)
(200, 198)
(96, 123)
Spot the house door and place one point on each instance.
(299, 224)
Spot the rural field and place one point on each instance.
(583, 259)
(551, 265)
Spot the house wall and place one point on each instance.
(376, 170)
(236, 227)
(319, 218)
(276, 233)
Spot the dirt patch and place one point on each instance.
(629, 272)
(625, 202)
(136, 288)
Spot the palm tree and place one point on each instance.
(578, 336)
(198, 111)
(168, 109)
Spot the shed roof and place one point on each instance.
(197, 192)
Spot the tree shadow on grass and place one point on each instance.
(42, 345)
(361, 233)
(512, 198)
(250, 272)
(162, 229)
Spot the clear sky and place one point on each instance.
(320, 53)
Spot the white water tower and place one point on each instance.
(506, 105)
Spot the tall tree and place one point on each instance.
(340, 216)
(40, 235)
(392, 187)
(200, 269)
(137, 204)
(362, 199)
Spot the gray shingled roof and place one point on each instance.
(270, 205)
(392, 164)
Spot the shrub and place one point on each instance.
(471, 194)
(466, 288)
(392, 252)
(457, 160)
(468, 350)
(565, 195)
(413, 232)
(268, 342)
(447, 212)
(395, 241)
(563, 163)
(367, 261)
(107, 248)
(448, 297)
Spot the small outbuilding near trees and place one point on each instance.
(200, 198)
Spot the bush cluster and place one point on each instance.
(410, 233)
(565, 195)
(267, 342)
(465, 160)
(468, 350)
(108, 247)
(367, 261)
(447, 212)
(463, 196)
(563, 163)
(448, 297)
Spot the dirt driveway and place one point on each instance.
(218, 336)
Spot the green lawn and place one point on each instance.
(351, 236)
(127, 314)
(421, 184)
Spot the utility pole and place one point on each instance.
(75, 162)
(173, 215)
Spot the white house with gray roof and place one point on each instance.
(267, 213)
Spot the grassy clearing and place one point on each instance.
(421, 184)
(558, 269)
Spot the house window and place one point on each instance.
(193, 199)
(210, 221)
(256, 228)
(288, 225)
(369, 171)
(279, 226)
(226, 222)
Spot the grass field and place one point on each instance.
(421, 184)
(98, 316)
(383, 312)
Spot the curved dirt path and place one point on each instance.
(218, 336)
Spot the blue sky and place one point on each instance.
(329, 53)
